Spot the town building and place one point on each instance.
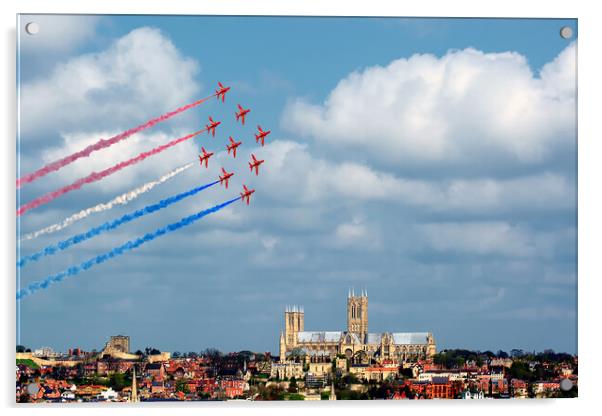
(46, 352)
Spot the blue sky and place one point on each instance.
(429, 160)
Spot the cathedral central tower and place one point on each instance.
(294, 322)
(357, 314)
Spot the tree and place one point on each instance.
(246, 354)
(20, 348)
(516, 353)
(24, 398)
(489, 354)
(213, 353)
(297, 354)
(176, 354)
(502, 354)
(151, 351)
(182, 386)
(292, 385)
(118, 381)
(271, 393)
(350, 379)
(520, 370)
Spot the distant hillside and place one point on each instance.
(28, 362)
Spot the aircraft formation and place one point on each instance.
(233, 145)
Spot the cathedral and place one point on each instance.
(356, 343)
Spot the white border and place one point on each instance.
(589, 172)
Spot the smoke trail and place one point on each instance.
(110, 225)
(130, 245)
(102, 143)
(122, 199)
(96, 176)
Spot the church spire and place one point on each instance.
(134, 398)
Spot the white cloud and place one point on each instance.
(537, 313)
(553, 276)
(154, 166)
(491, 238)
(269, 242)
(487, 298)
(356, 233)
(453, 108)
(141, 73)
(351, 231)
(294, 174)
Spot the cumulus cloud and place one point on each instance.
(296, 174)
(141, 73)
(463, 105)
(491, 238)
(156, 165)
(537, 313)
(356, 233)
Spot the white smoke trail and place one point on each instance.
(122, 199)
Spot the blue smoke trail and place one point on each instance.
(130, 245)
(110, 225)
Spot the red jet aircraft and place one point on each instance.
(255, 164)
(232, 146)
(246, 194)
(242, 113)
(221, 91)
(261, 135)
(212, 125)
(205, 157)
(226, 177)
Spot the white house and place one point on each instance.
(68, 395)
(109, 395)
(468, 395)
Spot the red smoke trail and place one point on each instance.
(96, 176)
(102, 143)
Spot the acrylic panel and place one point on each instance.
(191, 188)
